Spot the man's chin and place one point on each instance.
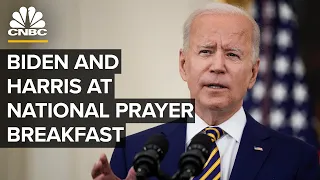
(215, 105)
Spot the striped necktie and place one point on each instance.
(212, 169)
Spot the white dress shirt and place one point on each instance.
(228, 145)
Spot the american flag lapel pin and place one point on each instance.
(258, 148)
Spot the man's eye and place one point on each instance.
(233, 55)
(205, 52)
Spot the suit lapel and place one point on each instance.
(252, 152)
(176, 135)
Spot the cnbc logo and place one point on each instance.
(26, 25)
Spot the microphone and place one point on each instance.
(192, 161)
(147, 162)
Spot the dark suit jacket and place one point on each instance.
(282, 158)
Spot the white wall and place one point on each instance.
(149, 34)
(12, 161)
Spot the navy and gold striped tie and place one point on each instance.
(212, 169)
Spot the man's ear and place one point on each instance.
(255, 70)
(182, 65)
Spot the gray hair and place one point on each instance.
(223, 8)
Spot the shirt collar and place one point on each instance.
(233, 126)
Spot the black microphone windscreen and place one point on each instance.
(146, 162)
(192, 161)
(203, 140)
(160, 140)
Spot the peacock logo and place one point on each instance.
(27, 22)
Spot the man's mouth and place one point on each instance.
(216, 86)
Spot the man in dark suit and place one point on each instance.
(220, 61)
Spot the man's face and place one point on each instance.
(218, 66)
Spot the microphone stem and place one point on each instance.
(185, 176)
(176, 175)
(163, 176)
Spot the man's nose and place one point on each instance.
(218, 63)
